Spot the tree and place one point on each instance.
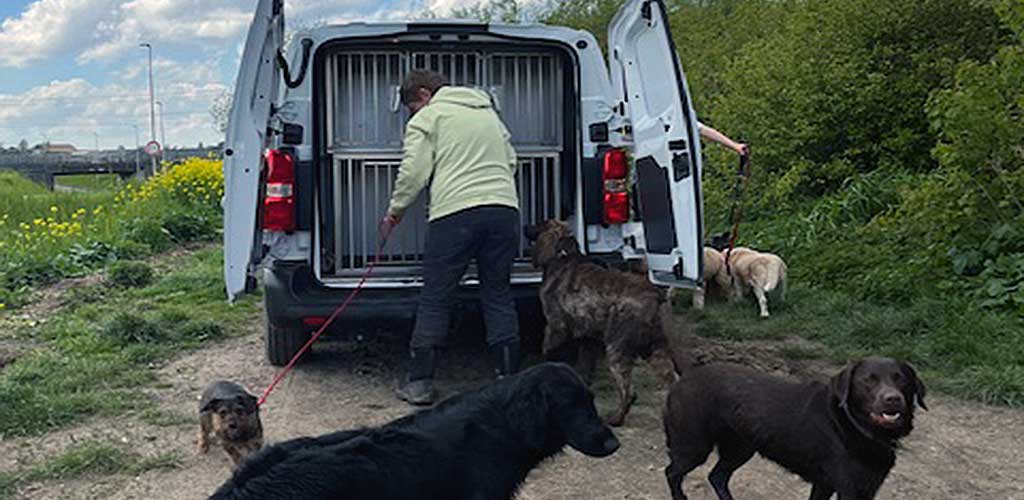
(505, 11)
(220, 110)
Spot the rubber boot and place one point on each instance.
(505, 357)
(418, 388)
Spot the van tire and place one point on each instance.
(283, 343)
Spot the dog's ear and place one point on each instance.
(533, 231)
(919, 389)
(842, 382)
(250, 402)
(529, 415)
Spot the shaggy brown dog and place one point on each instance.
(597, 309)
(839, 437)
(230, 413)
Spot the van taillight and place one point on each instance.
(279, 201)
(616, 197)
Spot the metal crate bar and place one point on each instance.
(364, 186)
(363, 89)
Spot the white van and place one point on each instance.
(314, 144)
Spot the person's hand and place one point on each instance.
(741, 149)
(389, 223)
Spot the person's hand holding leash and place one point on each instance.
(387, 225)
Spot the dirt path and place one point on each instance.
(959, 450)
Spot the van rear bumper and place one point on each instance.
(293, 294)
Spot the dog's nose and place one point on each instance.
(611, 444)
(894, 399)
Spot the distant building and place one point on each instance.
(55, 148)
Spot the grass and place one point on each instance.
(961, 350)
(47, 236)
(104, 344)
(91, 182)
(22, 200)
(89, 458)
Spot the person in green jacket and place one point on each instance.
(456, 146)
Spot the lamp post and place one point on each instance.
(163, 136)
(152, 105)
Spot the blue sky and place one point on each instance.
(73, 71)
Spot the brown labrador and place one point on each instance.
(840, 437)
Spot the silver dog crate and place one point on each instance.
(365, 113)
(365, 122)
(365, 185)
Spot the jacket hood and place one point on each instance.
(463, 96)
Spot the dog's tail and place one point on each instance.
(768, 273)
(779, 294)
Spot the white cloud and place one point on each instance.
(190, 22)
(48, 27)
(73, 110)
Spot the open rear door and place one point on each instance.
(247, 138)
(655, 103)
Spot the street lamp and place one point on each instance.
(163, 136)
(152, 107)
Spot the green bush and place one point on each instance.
(130, 274)
(150, 232)
(131, 328)
(184, 227)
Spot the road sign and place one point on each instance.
(152, 148)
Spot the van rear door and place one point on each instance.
(655, 102)
(247, 137)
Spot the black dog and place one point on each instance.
(475, 446)
(839, 437)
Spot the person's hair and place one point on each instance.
(421, 79)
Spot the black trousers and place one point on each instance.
(489, 234)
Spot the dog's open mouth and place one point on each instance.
(887, 418)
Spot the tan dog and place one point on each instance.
(761, 272)
(714, 276)
(715, 279)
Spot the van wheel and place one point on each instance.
(283, 343)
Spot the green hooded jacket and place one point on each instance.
(459, 140)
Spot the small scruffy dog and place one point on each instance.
(230, 413)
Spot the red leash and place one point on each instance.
(385, 233)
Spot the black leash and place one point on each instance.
(736, 212)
